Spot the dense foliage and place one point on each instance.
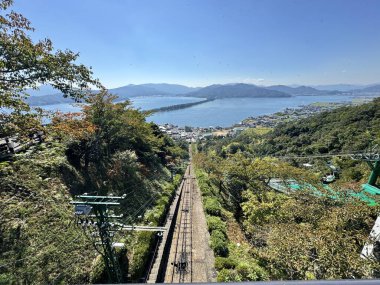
(260, 234)
(27, 64)
(39, 242)
(112, 151)
(107, 149)
(345, 129)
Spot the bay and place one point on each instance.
(143, 103)
(227, 112)
(221, 112)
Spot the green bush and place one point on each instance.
(140, 257)
(205, 188)
(98, 272)
(203, 183)
(212, 206)
(251, 272)
(219, 243)
(243, 272)
(355, 174)
(176, 180)
(164, 200)
(155, 215)
(234, 147)
(225, 262)
(216, 223)
(227, 275)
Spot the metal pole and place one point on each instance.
(99, 205)
(374, 174)
(112, 265)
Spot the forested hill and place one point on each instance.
(236, 90)
(48, 95)
(342, 130)
(345, 129)
(108, 150)
(258, 233)
(302, 90)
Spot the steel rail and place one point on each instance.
(179, 230)
(183, 254)
(183, 247)
(298, 282)
(191, 222)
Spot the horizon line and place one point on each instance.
(248, 83)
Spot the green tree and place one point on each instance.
(27, 64)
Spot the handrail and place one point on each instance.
(297, 282)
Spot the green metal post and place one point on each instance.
(374, 174)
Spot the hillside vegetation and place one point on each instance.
(110, 149)
(107, 149)
(342, 130)
(260, 234)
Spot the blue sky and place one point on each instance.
(201, 42)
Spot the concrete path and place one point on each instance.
(203, 255)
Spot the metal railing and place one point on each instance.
(300, 282)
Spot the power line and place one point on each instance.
(28, 258)
(143, 207)
(99, 206)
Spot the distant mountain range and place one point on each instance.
(47, 95)
(151, 89)
(338, 87)
(369, 89)
(236, 90)
(42, 91)
(303, 90)
(343, 87)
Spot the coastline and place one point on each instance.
(262, 123)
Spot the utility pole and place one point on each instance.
(97, 207)
(92, 212)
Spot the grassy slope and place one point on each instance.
(39, 240)
(234, 260)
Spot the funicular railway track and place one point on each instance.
(180, 265)
(184, 254)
